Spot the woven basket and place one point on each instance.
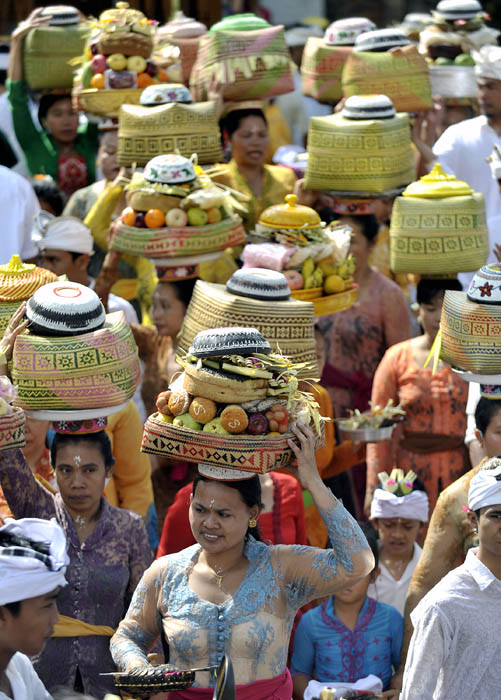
(322, 69)
(334, 303)
(46, 54)
(12, 430)
(369, 155)
(286, 325)
(434, 236)
(453, 81)
(250, 453)
(94, 370)
(104, 103)
(178, 242)
(242, 65)
(402, 75)
(144, 132)
(471, 334)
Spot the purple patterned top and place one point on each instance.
(102, 575)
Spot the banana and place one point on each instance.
(308, 268)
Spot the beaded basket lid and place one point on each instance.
(182, 27)
(381, 40)
(61, 15)
(368, 107)
(451, 10)
(224, 341)
(18, 282)
(164, 93)
(438, 184)
(343, 32)
(259, 283)
(245, 22)
(65, 308)
(169, 169)
(290, 215)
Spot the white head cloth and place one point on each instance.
(25, 573)
(298, 36)
(485, 488)
(64, 233)
(413, 506)
(488, 62)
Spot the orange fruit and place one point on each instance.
(129, 216)
(162, 76)
(144, 80)
(97, 81)
(154, 218)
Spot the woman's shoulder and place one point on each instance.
(402, 349)
(282, 174)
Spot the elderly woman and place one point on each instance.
(231, 594)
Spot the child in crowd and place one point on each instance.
(399, 510)
(348, 637)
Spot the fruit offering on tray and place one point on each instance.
(292, 239)
(233, 385)
(376, 417)
(118, 53)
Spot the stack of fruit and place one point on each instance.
(235, 401)
(373, 425)
(116, 59)
(175, 213)
(313, 257)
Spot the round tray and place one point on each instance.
(368, 434)
(334, 303)
(491, 379)
(104, 103)
(307, 294)
(250, 453)
(77, 413)
(188, 260)
(12, 430)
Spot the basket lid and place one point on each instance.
(182, 27)
(290, 215)
(381, 40)
(61, 15)
(245, 22)
(65, 308)
(18, 281)
(258, 283)
(164, 93)
(451, 10)
(169, 169)
(343, 32)
(224, 341)
(368, 107)
(438, 184)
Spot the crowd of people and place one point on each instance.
(369, 566)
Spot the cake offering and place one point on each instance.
(314, 258)
(234, 405)
(116, 59)
(176, 211)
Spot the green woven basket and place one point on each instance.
(47, 52)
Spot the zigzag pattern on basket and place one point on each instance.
(471, 334)
(94, 370)
(322, 69)
(12, 430)
(178, 242)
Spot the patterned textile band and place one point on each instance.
(177, 273)
(80, 427)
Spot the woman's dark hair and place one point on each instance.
(184, 290)
(371, 537)
(249, 490)
(47, 191)
(99, 440)
(428, 289)
(368, 224)
(231, 122)
(485, 411)
(46, 102)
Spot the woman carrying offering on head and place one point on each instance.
(231, 594)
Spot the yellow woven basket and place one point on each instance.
(12, 430)
(104, 103)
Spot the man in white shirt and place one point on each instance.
(18, 205)
(33, 562)
(455, 648)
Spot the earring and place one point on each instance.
(252, 522)
(475, 530)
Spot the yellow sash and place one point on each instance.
(71, 627)
(125, 288)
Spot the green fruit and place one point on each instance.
(117, 61)
(333, 284)
(186, 421)
(197, 216)
(86, 75)
(308, 268)
(318, 277)
(464, 59)
(443, 61)
(214, 426)
(309, 282)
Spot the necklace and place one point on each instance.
(79, 520)
(219, 574)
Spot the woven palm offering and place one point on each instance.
(75, 357)
(115, 65)
(365, 148)
(438, 226)
(401, 74)
(242, 58)
(12, 419)
(260, 299)
(234, 405)
(176, 212)
(323, 59)
(313, 257)
(146, 131)
(180, 37)
(48, 50)
(18, 282)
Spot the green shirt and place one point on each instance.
(41, 151)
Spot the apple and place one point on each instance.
(140, 223)
(176, 218)
(258, 424)
(186, 421)
(151, 68)
(294, 279)
(214, 215)
(214, 426)
(98, 63)
(137, 64)
(197, 216)
(117, 61)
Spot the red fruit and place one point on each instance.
(258, 424)
(151, 68)
(140, 222)
(98, 63)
